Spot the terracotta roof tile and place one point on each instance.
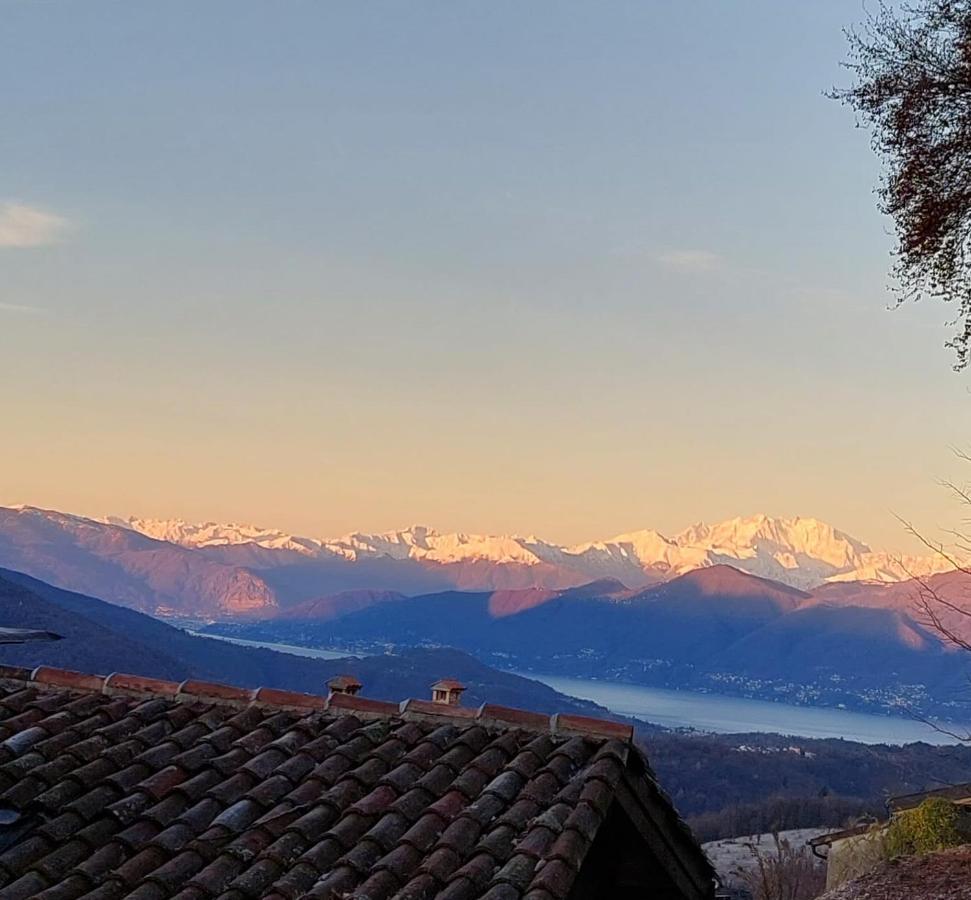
(461, 889)
(517, 872)
(335, 884)
(421, 887)
(153, 790)
(569, 724)
(141, 685)
(381, 885)
(428, 709)
(215, 691)
(538, 893)
(502, 892)
(362, 705)
(27, 886)
(67, 678)
(292, 699)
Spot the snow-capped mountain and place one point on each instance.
(124, 566)
(172, 567)
(802, 552)
(211, 534)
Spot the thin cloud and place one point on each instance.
(21, 308)
(690, 260)
(27, 226)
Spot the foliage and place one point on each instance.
(775, 814)
(932, 826)
(758, 783)
(785, 872)
(912, 68)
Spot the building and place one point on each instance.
(130, 787)
(959, 794)
(855, 851)
(850, 852)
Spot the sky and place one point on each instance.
(555, 268)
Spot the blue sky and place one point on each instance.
(564, 268)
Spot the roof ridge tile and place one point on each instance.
(569, 723)
(140, 684)
(286, 699)
(67, 678)
(190, 690)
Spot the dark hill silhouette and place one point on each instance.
(688, 616)
(499, 604)
(850, 640)
(85, 640)
(102, 637)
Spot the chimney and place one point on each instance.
(344, 684)
(447, 691)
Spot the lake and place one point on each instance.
(725, 715)
(706, 712)
(292, 649)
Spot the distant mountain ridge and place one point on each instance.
(174, 568)
(715, 629)
(800, 551)
(126, 567)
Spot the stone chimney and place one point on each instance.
(344, 684)
(447, 691)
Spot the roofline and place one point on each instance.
(192, 690)
(950, 792)
(824, 840)
(656, 818)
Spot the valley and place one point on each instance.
(714, 631)
(696, 711)
(695, 612)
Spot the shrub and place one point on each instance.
(934, 825)
(785, 872)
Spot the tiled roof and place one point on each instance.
(131, 787)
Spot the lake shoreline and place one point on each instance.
(723, 714)
(696, 711)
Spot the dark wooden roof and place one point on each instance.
(130, 787)
(825, 840)
(958, 793)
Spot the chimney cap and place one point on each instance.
(448, 684)
(344, 683)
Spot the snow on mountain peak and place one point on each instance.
(800, 551)
(213, 534)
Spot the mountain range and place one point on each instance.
(174, 568)
(621, 609)
(800, 551)
(714, 629)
